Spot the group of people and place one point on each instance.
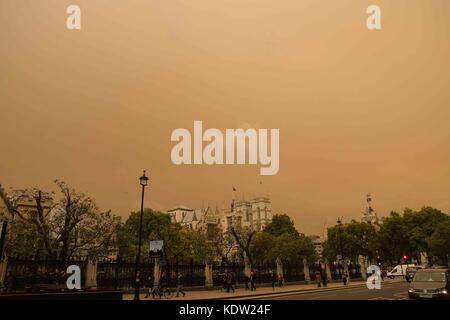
(321, 278)
(165, 281)
(229, 281)
(276, 278)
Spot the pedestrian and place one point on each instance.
(247, 280)
(225, 280)
(324, 279)
(230, 281)
(345, 277)
(280, 280)
(273, 279)
(149, 286)
(253, 280)
(180, 285)
(318, 279)
(9, 283)
(233, 280)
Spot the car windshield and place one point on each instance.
(429, 277)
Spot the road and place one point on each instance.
(389, 291)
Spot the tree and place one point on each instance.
(420, 226)
(243, 238)
(201, 248)
(439, 242)
(261, 247)
(180, 243)
(280, 240)
(351, 240)
(221, 242)
(65, 227)
(281, 224)
(127, 234)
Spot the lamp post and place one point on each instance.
(143, 180)
(339, 222)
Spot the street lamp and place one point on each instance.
(143, 180)
(339, 222)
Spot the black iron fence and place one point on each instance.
(294, 272)
(29, 274)
(193, 274)
(119, 274)
(218, 272)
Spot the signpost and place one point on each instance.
(156, 249)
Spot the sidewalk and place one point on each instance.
(264, 290)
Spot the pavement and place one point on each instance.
(389, 291)
(355, 290)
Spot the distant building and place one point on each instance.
(195, 219)
(318, 244)
(369, 215)
(255, 213)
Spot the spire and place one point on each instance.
(369, 214)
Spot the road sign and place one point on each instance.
(156, 248)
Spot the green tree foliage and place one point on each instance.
(393, 240)
(350, 240)
(397, 235)
(281, 224)
(420, 226)
(180, 244)
(127, 234)
(281, 240)
(439, 242)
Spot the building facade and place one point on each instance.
(255, 213)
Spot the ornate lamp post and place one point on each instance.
(143, 180)
(341, 260)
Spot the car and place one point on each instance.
(430, 283)
(399, 270)
(410, 272)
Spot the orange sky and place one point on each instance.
(358, 111)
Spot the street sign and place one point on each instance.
(156, 248)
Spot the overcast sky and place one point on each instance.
(358, 111)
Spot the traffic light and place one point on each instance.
(405, 259)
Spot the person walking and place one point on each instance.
(247, 280)
(318, 279)
(180, 285)
(345, 278)
(149, 286)
(280, 280)
(230, 281)
(324, 279)
(273, 279)
(9, 283)
(224, 280)
(253, 280)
